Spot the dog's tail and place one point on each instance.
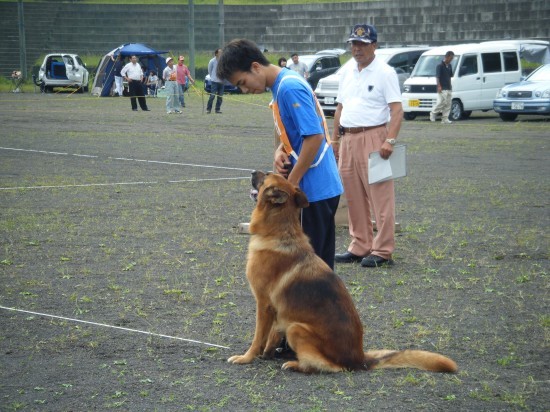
(419, 359)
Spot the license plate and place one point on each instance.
(414, 103)
(329, 100)
(517, 106)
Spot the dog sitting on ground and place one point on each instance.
(299, 297)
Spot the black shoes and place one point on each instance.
(135, 110)
(218, 112)
(373, 261)
(146, 110)
(347, 257)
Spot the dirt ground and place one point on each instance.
(130, 220)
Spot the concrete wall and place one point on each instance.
(91, 28)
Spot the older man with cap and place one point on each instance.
(367, 119)
(169, 75)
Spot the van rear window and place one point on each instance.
(491, 62)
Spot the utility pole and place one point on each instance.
(192, 38)
(221, 17)
(22, 42)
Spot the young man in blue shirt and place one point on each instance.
(306, 158)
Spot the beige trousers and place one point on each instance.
(443, 105)
(353, 166)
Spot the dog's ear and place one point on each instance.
(258, 178)
(275, 195)
(301, 199)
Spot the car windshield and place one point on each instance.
(540, 75)
(426, 65)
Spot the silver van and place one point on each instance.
(62, 70)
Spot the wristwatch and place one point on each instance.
(391, 141)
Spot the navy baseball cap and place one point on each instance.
(364, 33)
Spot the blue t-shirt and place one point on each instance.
(301, 119)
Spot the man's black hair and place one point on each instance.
(238, 56)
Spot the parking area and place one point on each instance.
(129, 220)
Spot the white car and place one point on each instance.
(62, 70)
(529, 96)
(402, 59)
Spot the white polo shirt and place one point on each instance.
(132, 71)
(365, 94)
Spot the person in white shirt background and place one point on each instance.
(298, 66)
(133, 73)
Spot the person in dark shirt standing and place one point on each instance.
(443, 74)
(118, 65)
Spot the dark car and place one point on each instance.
(321, 64)
(227, 87)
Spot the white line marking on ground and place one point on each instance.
(114, 327)
(81, 155)
(130, 159)
(33, 151)
(123, 183)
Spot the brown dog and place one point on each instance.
(300, 297)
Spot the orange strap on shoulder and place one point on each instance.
(281, 131)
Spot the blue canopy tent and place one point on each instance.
(105, 74)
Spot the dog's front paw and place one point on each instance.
(291, 366)
(240, 359)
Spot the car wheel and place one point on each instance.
(508, 117)
(456, 110)
(409, 116)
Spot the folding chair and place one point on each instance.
(17, 81)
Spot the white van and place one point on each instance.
(479, 71)
(62, 70)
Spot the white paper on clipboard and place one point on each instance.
(381, 170)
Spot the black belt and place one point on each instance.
(353, 130)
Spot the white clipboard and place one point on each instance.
(381, 170)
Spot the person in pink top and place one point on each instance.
(183, 79)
